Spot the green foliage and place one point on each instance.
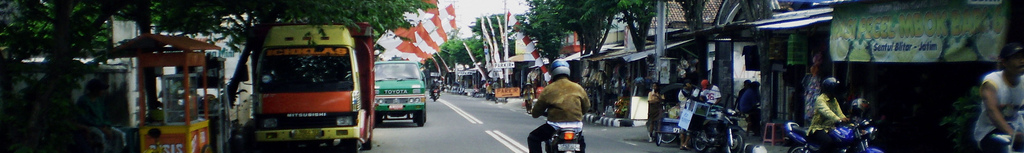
(961, 122)
(638, 14)
(546, 27)
(454, 52)
(550, 21)
(39, 118)
(240, 16)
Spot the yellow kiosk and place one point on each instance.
(172, 116)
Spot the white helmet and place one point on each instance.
(560, 67)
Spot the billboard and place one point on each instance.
(918, 31)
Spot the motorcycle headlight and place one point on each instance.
(344, 121)
(266, 78)
(270, 123)
(870, 132)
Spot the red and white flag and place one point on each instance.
(511, 19)
(422, 40)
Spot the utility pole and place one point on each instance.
(659, 39)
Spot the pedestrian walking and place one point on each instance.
(655, 111)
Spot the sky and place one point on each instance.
(467, 10)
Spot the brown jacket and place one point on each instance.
(564, 101)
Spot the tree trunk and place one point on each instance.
(144, 17)
(47, 88)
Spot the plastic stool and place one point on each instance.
(769, 136)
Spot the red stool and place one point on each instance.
(769, 134)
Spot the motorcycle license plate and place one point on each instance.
(568, 147)
(306, 134)
(396, 107)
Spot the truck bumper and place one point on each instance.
(308, 134)
(408, 107)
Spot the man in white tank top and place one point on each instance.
(1002, 95)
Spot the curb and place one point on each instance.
(613, 122)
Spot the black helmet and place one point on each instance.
(830, 85)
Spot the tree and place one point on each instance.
(637, 15)
(454, 52)
(241, 17)
(38, 119)
(552, 20)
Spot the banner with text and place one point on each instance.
(918, 31)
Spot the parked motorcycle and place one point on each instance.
(721, 132)
(848, 138)
(567, 139)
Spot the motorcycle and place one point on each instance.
(721, 130)
(567, 139)
(434, 94)
(853, 138)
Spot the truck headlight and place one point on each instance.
(270, 123)
(414, 100)
(344, 121)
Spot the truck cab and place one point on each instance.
(401, 91)
(311, 87)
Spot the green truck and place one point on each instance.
(401, 91)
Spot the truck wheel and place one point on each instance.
(367, 145)
(420, 118)
(378, 119)
(349, 146)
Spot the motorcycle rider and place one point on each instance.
(1001, 98)
(563, 101)
(826, 114)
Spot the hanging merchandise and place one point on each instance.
(796, 50)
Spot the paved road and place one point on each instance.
(465, 124)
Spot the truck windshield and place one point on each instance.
(396, 71)
(305, 73)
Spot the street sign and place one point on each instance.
(505, 65)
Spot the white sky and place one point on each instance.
(467, 10)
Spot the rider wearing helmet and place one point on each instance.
(826, 114)
(563, 102)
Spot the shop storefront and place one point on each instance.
(911, 59)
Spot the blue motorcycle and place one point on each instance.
(849, 138)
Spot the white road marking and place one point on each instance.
(462, 113)
(512, 144)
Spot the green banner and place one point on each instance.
(918, 31)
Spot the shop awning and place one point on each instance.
(793, 15)
(610, 54)
(796, 23)
(641, 55)
(153, 42)
(519, 58)
(573, 57)
(637, 56)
